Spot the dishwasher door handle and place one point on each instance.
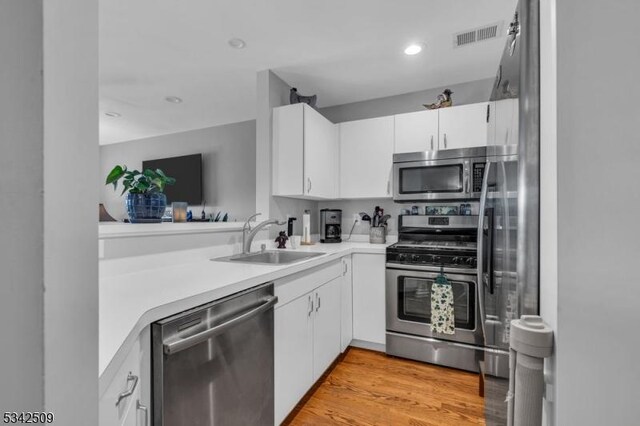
(187, 342)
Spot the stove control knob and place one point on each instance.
(415, 258)
(455, 260)
(402, 257)
(470, 261)
(436, 259)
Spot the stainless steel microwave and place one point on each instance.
(444, 175)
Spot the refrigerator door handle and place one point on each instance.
(480, 242)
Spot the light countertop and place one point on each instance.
(107, 230)
(137, 291)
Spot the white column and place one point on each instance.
(70, 210)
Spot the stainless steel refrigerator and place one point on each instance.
(508, 235)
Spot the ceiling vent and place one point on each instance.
(487, 32)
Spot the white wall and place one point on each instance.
(48, 259)
(228, 173)
(70, 199)
(598, 373)
(463, 94)
(21, 181)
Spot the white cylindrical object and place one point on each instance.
(529, 390)
(306, 227)
(531, 340)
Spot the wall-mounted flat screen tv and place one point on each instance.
(187, 170)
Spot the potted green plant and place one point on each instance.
(145, 201)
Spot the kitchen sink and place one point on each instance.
(271, 257)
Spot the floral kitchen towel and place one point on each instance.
(442, 316)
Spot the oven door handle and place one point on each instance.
(480, 242)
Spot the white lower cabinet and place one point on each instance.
(307, 335)
(326, 326)
(293, 359)
(346, 300)
(127, 394)
(369, 298)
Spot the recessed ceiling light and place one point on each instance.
(413, 49)
(237, 43)
(113, 114)
(173, 99)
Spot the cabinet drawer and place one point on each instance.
(290, 288)
(127, 378)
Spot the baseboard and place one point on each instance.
(372, 346)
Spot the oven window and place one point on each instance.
(427, 179)
(414, 301)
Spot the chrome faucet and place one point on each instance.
(248, 233)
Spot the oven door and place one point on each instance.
(408, 300)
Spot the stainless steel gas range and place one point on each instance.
(427, 245)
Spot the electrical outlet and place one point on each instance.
(356, 218)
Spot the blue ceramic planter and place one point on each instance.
(146, 208)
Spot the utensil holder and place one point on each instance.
(378, 234)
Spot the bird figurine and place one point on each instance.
(282, 240)
(295, 98)
(444, 100)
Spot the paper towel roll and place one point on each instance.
(306, 227)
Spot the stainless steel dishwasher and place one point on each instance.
(213, 365)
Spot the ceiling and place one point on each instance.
(345, 51)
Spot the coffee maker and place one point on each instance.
(330, 226)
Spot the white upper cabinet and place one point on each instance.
(305, 153)
(366, 158)
(313, 158)
(504, 122)
(463, 126)
(416, 131)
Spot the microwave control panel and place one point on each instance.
(478, 174)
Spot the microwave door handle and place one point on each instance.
(466, 181)
(480, 243)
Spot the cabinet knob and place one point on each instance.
(308, 185)
(445, 140)
(431, 142)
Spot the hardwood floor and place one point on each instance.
(369, 388)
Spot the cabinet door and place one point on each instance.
(326, 326)
(293, 354)
(320, 155)
(288, 150)
(128, 377)
(416, 131)
(135, 416)
(369, 298)
(506, 122)
(366, 158)
(346, 298)
(463, 126)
